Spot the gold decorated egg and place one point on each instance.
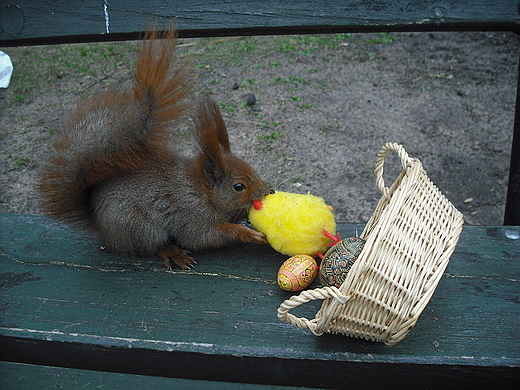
(297, 273)
(338, 260)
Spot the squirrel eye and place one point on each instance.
(239, 187)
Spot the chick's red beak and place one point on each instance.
(257, 204)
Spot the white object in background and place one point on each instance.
(6, 70)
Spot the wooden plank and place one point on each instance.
(18, 376)
(66, 303)
(36, 21)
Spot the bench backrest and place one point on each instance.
(26, 22)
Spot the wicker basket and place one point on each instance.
(409, 241)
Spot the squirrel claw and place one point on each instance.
(191, 265)
(253, 236)
(178, 256)
(259, 237)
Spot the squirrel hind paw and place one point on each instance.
(172, 254)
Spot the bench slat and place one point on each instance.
(17, 376)
(67, 303)
(32, 22)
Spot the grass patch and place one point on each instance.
(16, 161)
(264, 124)
(39, 68)
(226, 106)
(381, 38)
(304, 44)
(227, 51)
(270, 137)
(236, 50)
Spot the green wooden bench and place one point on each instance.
(73, 316)
(67, 304)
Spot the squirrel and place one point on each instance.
(113, 170)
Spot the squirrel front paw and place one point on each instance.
(179, 256)
(249, 235)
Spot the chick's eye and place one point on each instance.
(239, 187)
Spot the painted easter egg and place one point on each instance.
(338, 260)
(297, 273)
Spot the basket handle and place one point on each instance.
(304, 297)
(405, 162)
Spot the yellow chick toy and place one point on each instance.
(293, 223)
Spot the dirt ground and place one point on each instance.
(324, 107)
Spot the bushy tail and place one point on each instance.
(112, 134)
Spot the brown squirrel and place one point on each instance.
(113, 170)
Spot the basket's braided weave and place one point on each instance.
(304, 297)
(378, 171)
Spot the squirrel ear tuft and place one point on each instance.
(212, 139)
(209, 124)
